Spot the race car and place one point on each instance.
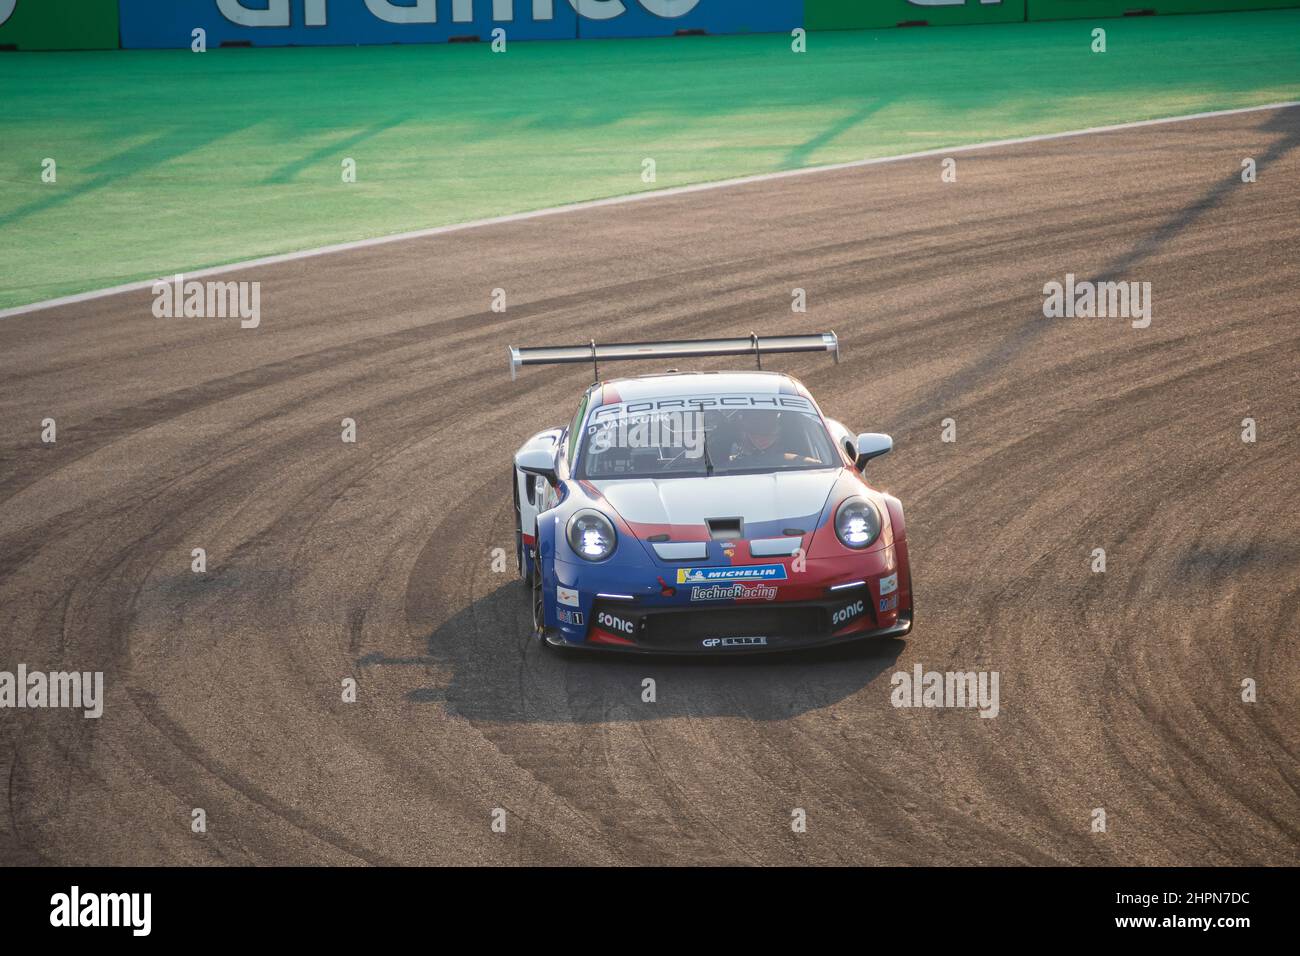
(705, 512)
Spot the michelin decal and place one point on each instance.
(753, 572)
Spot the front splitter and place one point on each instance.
(899, 628)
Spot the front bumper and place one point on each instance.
(670, 611)
(900, 628)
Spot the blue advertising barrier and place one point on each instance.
(163, 24)
(656, 18)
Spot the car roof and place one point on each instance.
(684, 384)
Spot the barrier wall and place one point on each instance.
(58, 24)
(865, 14)
(1077, 9)
(169, 23)
(651, 18)
(96, 24)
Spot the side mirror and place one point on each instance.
(539, 462)
(872, 445)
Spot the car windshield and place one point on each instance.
(711, 441)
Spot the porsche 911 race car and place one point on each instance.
(705, 512)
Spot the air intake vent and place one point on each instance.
(725, 529)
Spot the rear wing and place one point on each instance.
(690, 348)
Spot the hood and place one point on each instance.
(768, 503)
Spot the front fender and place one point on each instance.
(900, 544)
(629, 570)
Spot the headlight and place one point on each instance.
(591, 535)
(857, 523)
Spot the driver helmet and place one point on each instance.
(760, 428)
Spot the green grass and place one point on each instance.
(171, 161)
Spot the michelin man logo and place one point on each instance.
(315, 13)
(7, 9)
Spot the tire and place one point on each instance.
(539, 622)
(536, 597)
